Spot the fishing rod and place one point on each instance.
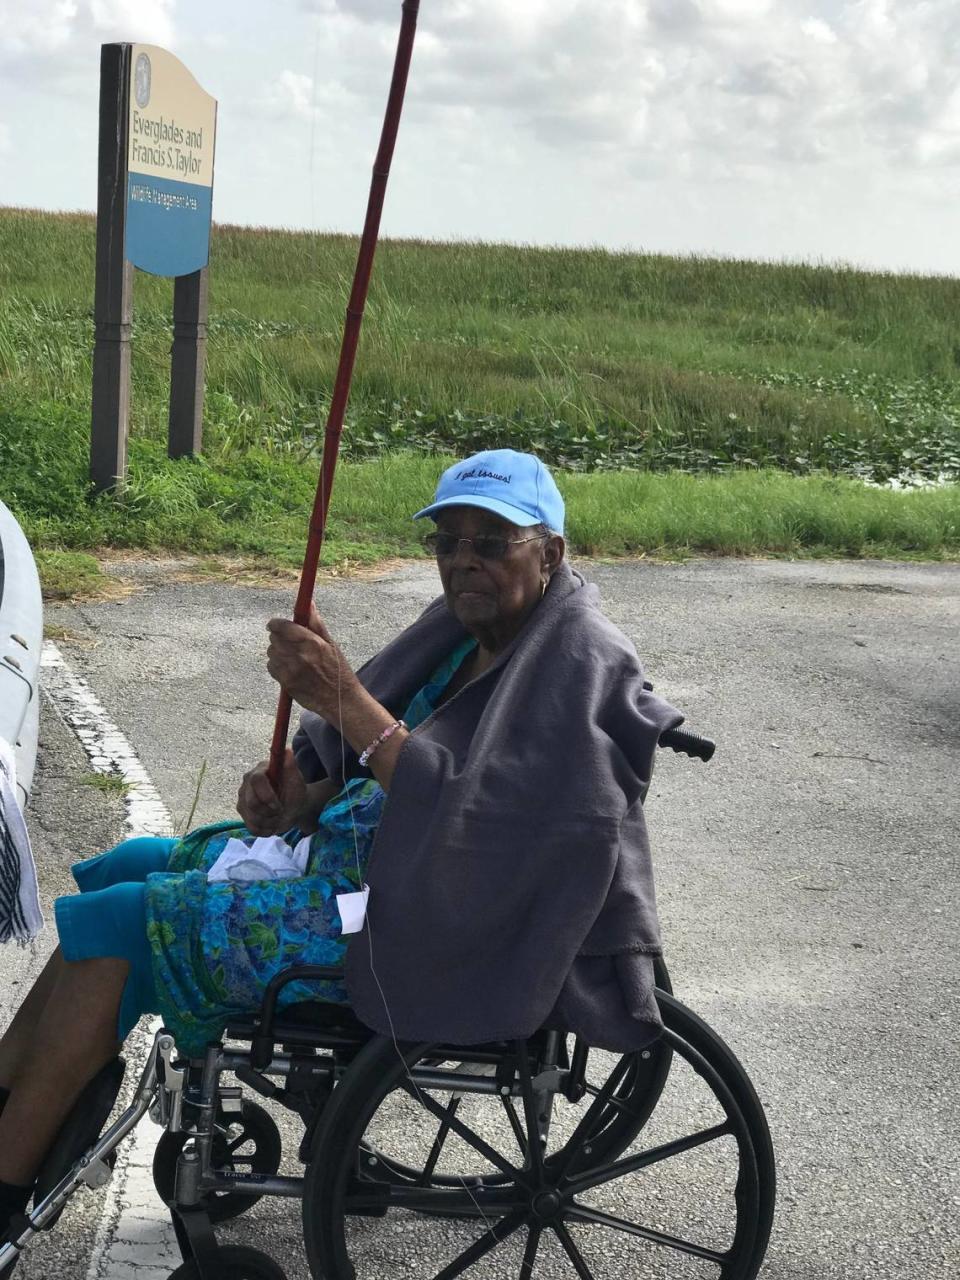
(348, 352)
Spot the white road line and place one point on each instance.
(107, 748)
(134, 1236)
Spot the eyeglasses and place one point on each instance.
(488, 546)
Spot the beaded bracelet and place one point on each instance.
(381, 738)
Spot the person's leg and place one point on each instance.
(75, 1036)
(18, 1035)
(129, 862)
(103, 984)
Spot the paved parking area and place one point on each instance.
(807, 876)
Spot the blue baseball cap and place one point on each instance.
(516, 486)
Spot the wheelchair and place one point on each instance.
(542, 1157)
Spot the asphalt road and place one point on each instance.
(807, 876)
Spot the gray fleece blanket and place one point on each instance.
(510, 880)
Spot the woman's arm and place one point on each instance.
(307, 663)
(361, 720)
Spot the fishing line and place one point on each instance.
(333, 431)
(383, 995)
(348, 351)
(313, 132)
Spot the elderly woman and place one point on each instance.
(484, 773)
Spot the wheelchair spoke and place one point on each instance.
(462, 1131)
(644, 1159)
(584, 1130)
(534, 1145)
(530, 1252)
(515, 1125)
(572, 1252)
(480, 1248)
(582, 1213)
(617, 1105)
(436, 1149)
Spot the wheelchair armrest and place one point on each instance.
(261, 1045)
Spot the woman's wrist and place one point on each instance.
(383, 736)
(361, 719)
(364, 722)
(351, 697)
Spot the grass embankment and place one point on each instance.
(599, 361)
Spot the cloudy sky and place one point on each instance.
(818, 129)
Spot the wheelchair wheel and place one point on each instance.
(627, 1111)
(244, 1143)
(690, 1192)
(616, 1125)
(233, 1262)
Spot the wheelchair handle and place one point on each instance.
(261, 1044)
(688, 743)
(685, 741)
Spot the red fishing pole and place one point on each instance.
(348, 351)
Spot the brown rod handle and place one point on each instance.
(348, 352)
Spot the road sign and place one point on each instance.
(154, 198)
(170, 145)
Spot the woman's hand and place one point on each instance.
(307, 663)
(264, 812)
(310, 667)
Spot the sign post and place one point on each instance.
(112, 302)
(187, 362)
(157, 137)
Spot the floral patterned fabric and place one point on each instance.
(215, 945)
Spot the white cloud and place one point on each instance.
(42, 28)
(150, 21)
(675, 84)
(753, 126)
(290, 94)
(43, 37)
(294, 95)
(819, 30)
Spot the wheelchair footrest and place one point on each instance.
(80, 1131)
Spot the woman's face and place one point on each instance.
(493, 598)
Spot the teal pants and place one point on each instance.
(108, 918)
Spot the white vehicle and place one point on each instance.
(21, 638)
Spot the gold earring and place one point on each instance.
(543, 587)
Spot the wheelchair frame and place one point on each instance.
(331, 1067)
(336, 1074)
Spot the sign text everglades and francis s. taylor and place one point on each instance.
(155, 152)
(170, 150)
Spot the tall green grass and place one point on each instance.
(739, 315)
(596, 359)
(632, 512)
(682, 385)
